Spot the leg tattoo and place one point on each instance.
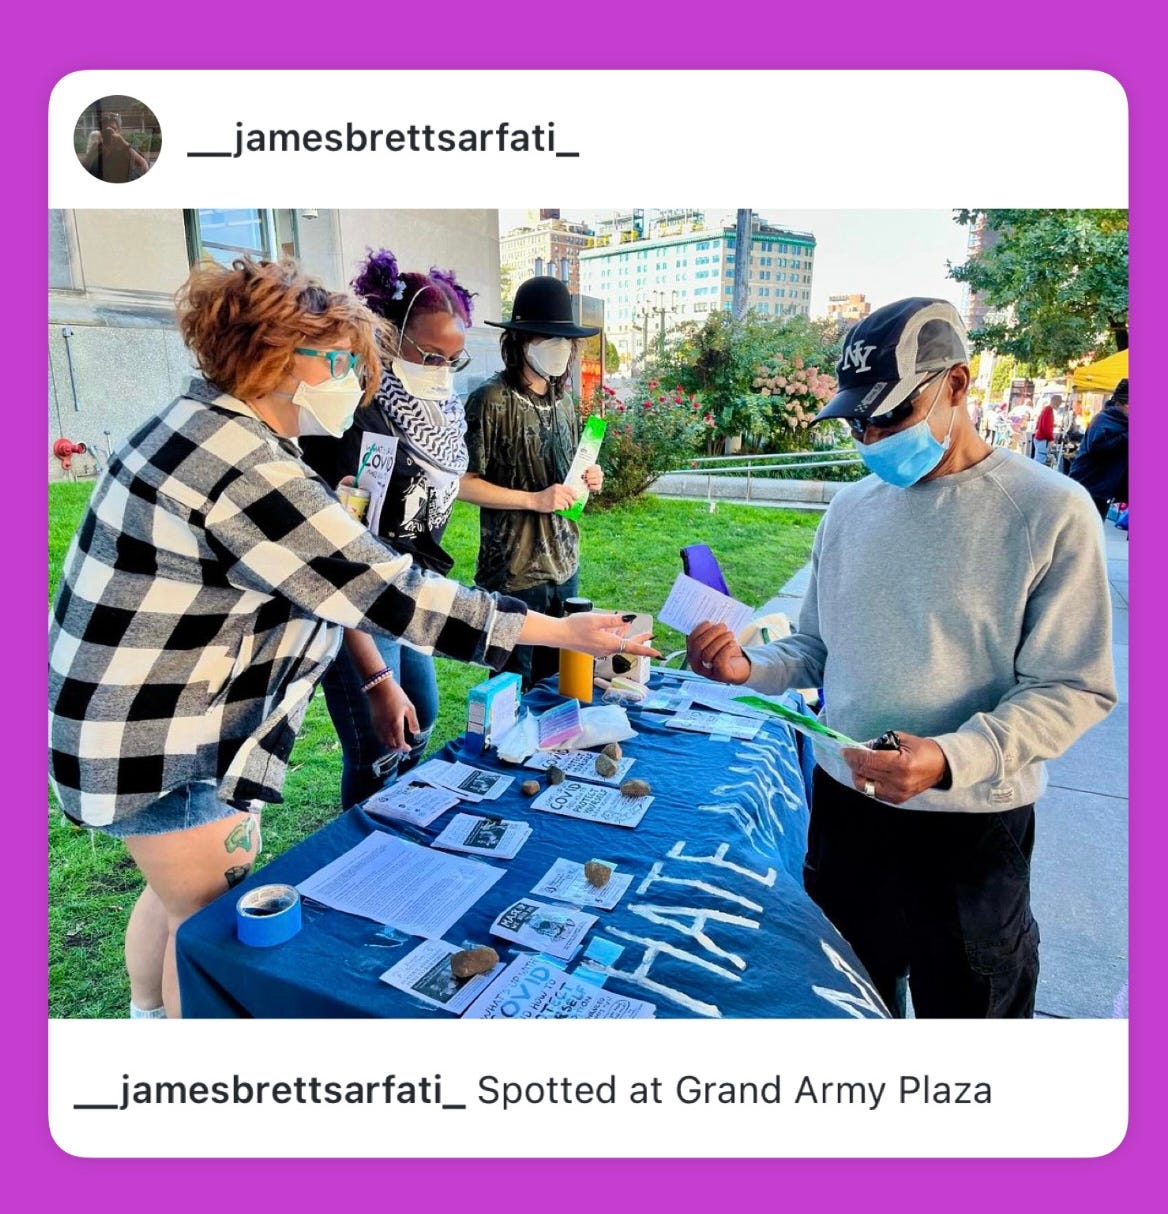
(236, 874)
(241, 835)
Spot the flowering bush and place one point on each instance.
(652, 432)
(793, 393)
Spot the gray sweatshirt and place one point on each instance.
(972, 609)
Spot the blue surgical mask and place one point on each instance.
(907, 456)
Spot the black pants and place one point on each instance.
(1103, 505)
(939, 902)
(536, 662)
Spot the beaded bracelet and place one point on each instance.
(379, 677)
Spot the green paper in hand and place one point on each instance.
(587, 453)
(803, 722)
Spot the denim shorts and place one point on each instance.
(180, 809)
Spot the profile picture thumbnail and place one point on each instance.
(117, 139)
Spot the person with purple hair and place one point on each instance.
(424, 341)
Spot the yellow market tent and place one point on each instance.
(1103, 375)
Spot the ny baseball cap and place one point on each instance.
(889, 354)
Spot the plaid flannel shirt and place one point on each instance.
(200, 605)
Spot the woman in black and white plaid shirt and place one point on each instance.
(204, 595)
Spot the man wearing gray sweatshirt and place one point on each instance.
(959, 597)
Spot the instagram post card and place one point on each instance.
(498, 572)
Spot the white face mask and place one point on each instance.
(549, 358)
(425, 383)
(328, 408)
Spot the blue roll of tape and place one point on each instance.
(267, 915)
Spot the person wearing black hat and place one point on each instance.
(1101, 464)
(522, 432)
(959, 612)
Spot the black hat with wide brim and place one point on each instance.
(543, 307)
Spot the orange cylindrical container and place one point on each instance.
(576, 669)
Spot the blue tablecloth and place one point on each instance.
(715, 923)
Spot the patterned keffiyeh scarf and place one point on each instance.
(434, 432)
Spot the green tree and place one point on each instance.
(507, 285)
(726, 362)
(1058, 281)
(611, 357)
(1000, 376)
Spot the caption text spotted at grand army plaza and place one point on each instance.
(800, 612)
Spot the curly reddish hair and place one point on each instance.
(244, 322)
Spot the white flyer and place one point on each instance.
(593, 803)
(374, 469)
(690, 603)
(471, 783)
(555, 930)
(720, 698)
(531, 988)
(483, 836)
(565, 881)
(425, 973)
(724, 723)
(579, 764)
(406, 801)
(389, 880)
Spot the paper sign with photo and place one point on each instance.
(592, 802)
(374, 468)
(565, 881)
(425, 973)
(554, 930)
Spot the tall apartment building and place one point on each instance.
(551, 241)
(682, 270)
(981, 239)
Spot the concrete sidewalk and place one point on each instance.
(1079, 875)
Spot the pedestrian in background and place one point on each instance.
(1044, 428)
(1101, 464)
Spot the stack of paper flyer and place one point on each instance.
(724, 723)
(483, 836)
(470, 783)
(425, 973)
(565, 881)
(592, 802)
(555, 930)
(406, 801)
(531, 988)
(579, 765)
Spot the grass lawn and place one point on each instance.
(629, 560)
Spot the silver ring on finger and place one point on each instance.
(622, 646)
(869, 788)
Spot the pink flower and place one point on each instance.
(646, 404)
(652, 383)
(798, 362)
(620, 408)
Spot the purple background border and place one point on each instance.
(845, 34)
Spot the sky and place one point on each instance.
(884, 255)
